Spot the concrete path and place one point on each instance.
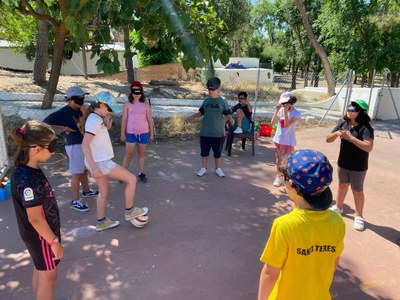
(205, 235)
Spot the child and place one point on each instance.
(215, 111)
(136, 127)
(99, 152)
(68, 119)
(244, 113)
(356, 141)
(304, 245)
(36, 206)
(284, 139)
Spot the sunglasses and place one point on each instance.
(51, 146)
(242, 98)
(210, 88)
(136, 91)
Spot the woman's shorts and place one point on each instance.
(76, 158)
(41, 254)
(355, 178)
(142, 138)
(284, 148)
(216, 143)
(105, 166)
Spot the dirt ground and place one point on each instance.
(205, 235)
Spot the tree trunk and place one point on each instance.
(394, 78)
(84, 61)
(58, 54)
(41, 55)
(294, 73)
(236, 48)
(317, 46)
(128, 60)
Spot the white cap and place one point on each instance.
(285, 97)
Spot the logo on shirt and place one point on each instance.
(28, 194)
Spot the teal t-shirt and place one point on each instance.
(213, 122)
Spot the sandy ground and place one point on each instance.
(205, 235)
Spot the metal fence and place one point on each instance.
(4, 161)
(173, 99)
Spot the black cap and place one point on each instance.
(213, 83)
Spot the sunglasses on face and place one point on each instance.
(78, 100)
(242, 98)
(136, 91)
(51, 146)
(108, 108)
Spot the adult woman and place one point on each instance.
(136, 127)
(357, 140)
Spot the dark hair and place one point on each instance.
(293, 99)
(362, 118)
(31, 133)
(244, 94)
(214, 82)
(321, 201)
(142, 97)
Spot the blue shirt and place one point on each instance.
(67, 116)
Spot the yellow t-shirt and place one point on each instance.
(304, 245)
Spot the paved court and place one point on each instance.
(205, 235)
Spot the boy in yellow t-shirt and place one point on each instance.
(304, 246)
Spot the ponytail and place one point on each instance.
(88, 111)
(32, 133)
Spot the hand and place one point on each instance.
(286, 108)
(151, 137)
(58, 251)
(68, 130)
(346, 135)
(123, 138)
(96, 172)
(278, 107)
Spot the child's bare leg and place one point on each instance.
(124, 175)
(240, 115)
(141, 156)
(85, 181)
(217, 163)
(278, 156)
(75, 185)
(35, 281)
(204, 162)
(46, 283)
(129, 151)
(102, 183)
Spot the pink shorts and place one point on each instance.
(284, 148)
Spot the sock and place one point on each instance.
(101, 220)
(128, 209)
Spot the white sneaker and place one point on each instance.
(359, 223)
(277, 182)
(202, 172)
(238, 130)
(337, 209)
(219, 172)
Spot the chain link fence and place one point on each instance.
(174, 95)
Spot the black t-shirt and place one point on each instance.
(350, 156)
(31, 188)
(67, 116)
(245, 109)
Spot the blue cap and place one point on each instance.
(310, 171)
(107, 98)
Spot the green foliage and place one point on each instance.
(276, 54)
(162, 52)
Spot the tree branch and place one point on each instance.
(30, 11)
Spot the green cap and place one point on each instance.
(361, 103)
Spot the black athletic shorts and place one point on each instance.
(42, 255)
(216, 143)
